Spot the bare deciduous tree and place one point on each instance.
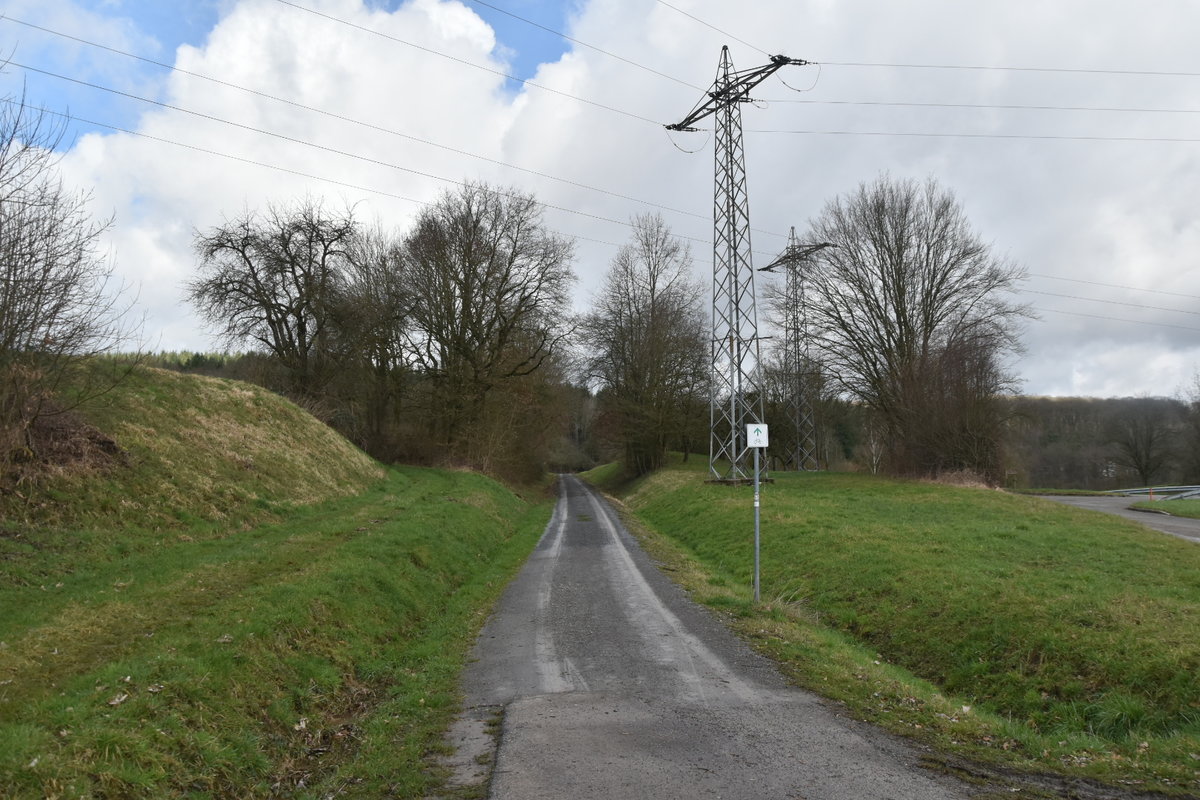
(489, 286)
(274, 280)
(58, 305)
(371, 315)
(647, 342)
(910, 309)
(1144, 432)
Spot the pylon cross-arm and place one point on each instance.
(735, 90)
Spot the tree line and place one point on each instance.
(431, 345)
(1105, 443)
(454, 340)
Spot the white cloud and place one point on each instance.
(161, 192)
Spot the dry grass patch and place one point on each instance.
(196, 448)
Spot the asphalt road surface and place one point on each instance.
(609, 683)
(1182, 527)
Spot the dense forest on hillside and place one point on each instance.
(1104, 443)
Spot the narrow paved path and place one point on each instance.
(1182, 527)
(612, 684)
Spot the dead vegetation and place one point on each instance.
(968, 478)
(56, 442)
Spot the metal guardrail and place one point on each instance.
(1168, 492)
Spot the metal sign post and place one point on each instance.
(756, 439)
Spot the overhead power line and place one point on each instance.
(405, 198)
(960, 67)
(274, 167)
(1115, 286)
(1109, 302)
(880, 103)
(964, 67)
(941, 135)
(1117, 319)
(573, 40)
(987, 106)
(220, 154)
(463, 61)
(351, 120)
(693, 17)
(295, 140)
(998, 68)
(321, 147)
(395, 196)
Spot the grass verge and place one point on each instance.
(1176, 508)
(1001, 628)
(205, 592)
(309, 658)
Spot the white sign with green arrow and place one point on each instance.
(756, 435)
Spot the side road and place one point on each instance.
(1182, 527)
(609, 682)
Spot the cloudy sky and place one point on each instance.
(1070, 132)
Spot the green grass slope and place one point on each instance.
(271, 615)
(1074, 632)
(193, 449)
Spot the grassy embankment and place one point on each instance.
(998, 627)
(246, 607)
(1176, 508)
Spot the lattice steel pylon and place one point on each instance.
(800, 452)
(734, 396)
